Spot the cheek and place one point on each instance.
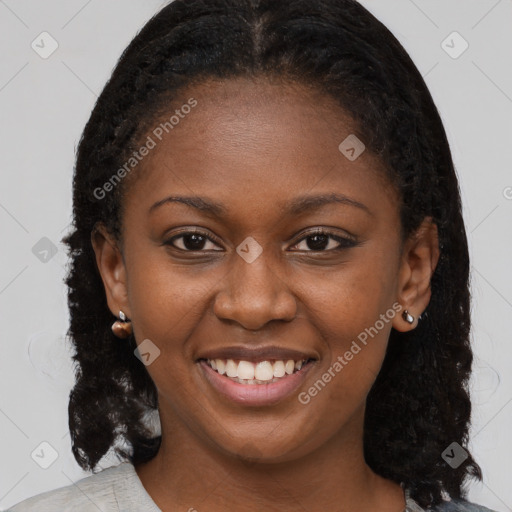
(167, 302)
(352, 311)
(167, 306)
(343, 302)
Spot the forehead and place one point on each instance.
(253, 134)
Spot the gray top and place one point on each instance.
(119, 489)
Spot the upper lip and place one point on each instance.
(255, 354)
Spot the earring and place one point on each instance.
(408, 317)
(122, 328)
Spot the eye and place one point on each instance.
(321, 240)
(189, 241)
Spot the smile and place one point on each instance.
(247, 372)
(255, 383)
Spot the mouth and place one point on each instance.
(256, 382)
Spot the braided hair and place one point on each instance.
(419, 403)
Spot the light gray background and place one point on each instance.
(45, 104)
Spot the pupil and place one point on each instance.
(319, 242)
(193, 242)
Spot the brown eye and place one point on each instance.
(323, 241)
(192, 241)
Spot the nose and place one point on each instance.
(252, 295)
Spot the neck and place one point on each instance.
(189, 474)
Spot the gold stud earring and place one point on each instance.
(122, 328)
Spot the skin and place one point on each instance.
(254, 146)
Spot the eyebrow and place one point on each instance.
(205, 205)
(314, 202)
(297, 206)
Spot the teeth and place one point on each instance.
(231, 368)
(263, 372)
(221, 366)
(254, 381)
(245, 370)
(279, 370)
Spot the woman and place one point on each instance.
(268, 250)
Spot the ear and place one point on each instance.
(111, 266)
(420, 255)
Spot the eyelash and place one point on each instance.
(345, 242)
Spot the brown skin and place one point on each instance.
(254, 146)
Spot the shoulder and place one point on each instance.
(453, 505)
(99, 491)
(460, 505)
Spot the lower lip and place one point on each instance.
(255, 394)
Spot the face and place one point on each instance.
(276, 248)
